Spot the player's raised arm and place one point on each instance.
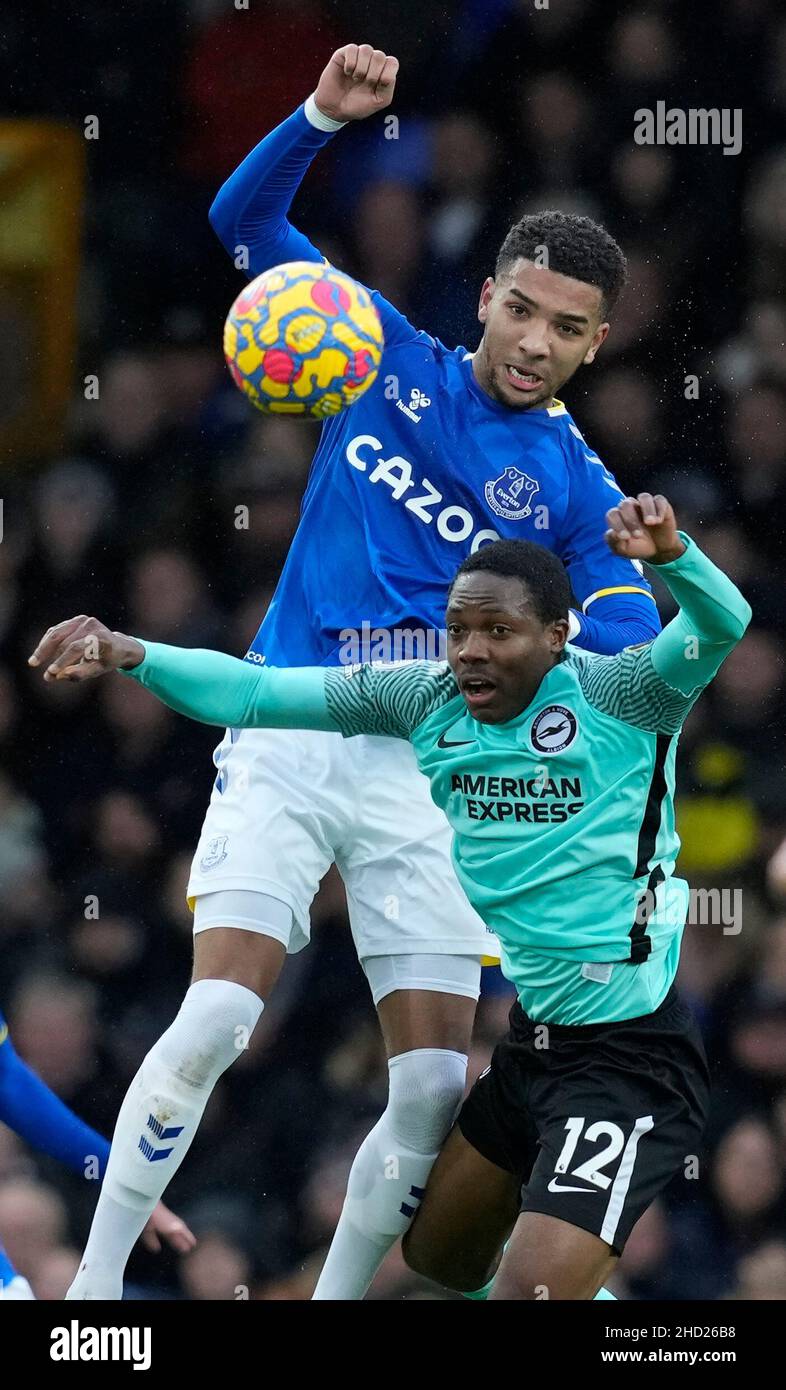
(713, 613)
(617, 605)
(204, 685)
(217, 689)
(250, 211)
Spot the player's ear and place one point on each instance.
(486, 295)
(599, 336)
(559, 633)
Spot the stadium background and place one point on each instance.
(124, 506)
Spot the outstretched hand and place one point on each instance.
(644, 528)
(358, 81)
(81, 648)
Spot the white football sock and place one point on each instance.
(391, 1167)
(157, 1122)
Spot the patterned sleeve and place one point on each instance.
(654, 686)
(629, 688)
(386, 699)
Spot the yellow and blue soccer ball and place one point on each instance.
(303, 339)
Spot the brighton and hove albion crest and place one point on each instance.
(511, 494)
(554, 729)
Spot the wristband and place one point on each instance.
(316, 118)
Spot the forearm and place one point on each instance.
(39, 1117)
(713, 617)
(217, 689)
(609, 635)
(250, 209)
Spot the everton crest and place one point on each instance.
(511, 495)
(215, 853)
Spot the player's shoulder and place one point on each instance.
(587, 473)
(607, 681)
(417, 674)
(403, 693)
(418, 684)
(577, 663)
(580, 453)
(422, 346)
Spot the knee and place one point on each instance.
(214, 1025)
(426, 1088)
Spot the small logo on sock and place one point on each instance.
(147, 1149)
(417, 1193)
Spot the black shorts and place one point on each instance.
(596, 1120)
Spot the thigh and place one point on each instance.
(469, 1208)
(414, 1018)
(402, 892)
(424, 1000)
(249, 957)
(244, 958)
(277, 810)
(547, 1258)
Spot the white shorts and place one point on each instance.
(288, 803)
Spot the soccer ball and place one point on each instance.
(303, 339)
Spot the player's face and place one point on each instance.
(538, 328)
(498, 649)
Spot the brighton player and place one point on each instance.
(37, 1115)
(555, 769)
(448, 451)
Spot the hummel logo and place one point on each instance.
(443, 742)
(407, 1208)
(148, 1150)
(417, 401)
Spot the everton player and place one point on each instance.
(36, 1114)
(447, 452)
(555, 769)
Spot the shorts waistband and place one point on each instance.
(566, 1031)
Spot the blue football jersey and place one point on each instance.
(421, 471)
(418, 473)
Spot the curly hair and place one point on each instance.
(570, 245)
(542, 573)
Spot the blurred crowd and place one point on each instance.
(503, 108)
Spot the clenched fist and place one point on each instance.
(644, 528)
(357, 81)
(81, 648)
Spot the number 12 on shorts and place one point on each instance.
(592, 1170)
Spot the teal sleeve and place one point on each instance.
(390, 700)
(712, 618)
(219, 689)
(654, 686)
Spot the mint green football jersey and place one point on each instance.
(563, 825)
(564, 835)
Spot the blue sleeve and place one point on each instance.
(617, 607)
(36, 1114)
(250, 209)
